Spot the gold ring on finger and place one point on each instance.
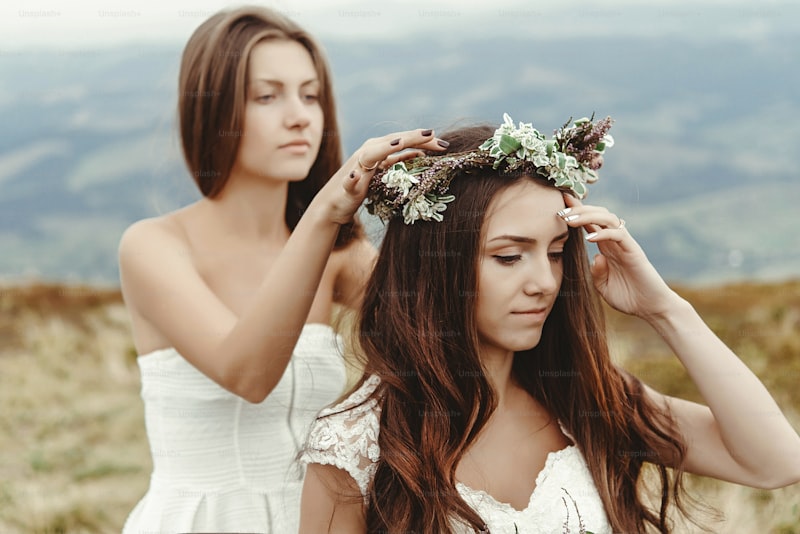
(364, 167)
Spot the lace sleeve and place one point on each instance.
(346, 436)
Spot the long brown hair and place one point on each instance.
(212, 96)
(418, 332)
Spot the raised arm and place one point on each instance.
(248, 354)
(741, 435)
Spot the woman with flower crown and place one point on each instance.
(489, 400)
(231, 297)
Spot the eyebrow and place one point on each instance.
(280, 83)
(521, 239)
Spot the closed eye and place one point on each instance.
(508, 260)
(556, 256)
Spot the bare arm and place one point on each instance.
(741, 436)
(247, 354)
(331, 502)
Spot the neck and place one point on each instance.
(253, 209)
(498, 364)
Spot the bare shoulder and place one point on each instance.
(359, 253)
(151, 234)
(353, 265)
(359, 250)
(150, 249)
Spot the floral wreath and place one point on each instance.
(417, 188)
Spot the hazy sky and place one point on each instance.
(27, 25)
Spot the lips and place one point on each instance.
(297, 142)
(534, 315)
(533, 311)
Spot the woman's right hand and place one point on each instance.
(345, 191)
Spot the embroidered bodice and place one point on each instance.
(564, 500)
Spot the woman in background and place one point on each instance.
(230, 298)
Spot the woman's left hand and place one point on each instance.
(622, 273)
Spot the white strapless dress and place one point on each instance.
(220, 463)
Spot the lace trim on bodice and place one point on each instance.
(553, 458)
(564, 498)
(346, 435)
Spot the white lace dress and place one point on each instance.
(564, 500)
(220, 463)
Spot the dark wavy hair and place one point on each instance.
(418, 333)
(212, 97)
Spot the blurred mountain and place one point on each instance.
(703, 170)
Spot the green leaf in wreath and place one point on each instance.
(508, 144)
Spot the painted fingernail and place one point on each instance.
(442, 143)
(571, 218)
(563, 212)
(591, 236)
(395, 142)
(426, 133)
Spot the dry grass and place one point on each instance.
(761, 323)
(74, 453)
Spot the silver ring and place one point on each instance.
(621, 224)
(364, 167)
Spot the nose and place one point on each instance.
(542, 276)
(297, 113)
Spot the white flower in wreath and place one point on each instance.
(533, 147)
(608, 142)
(415, 210)
(506, 128)
(426, 207)
(585, 175)
(400, 179)
(493, 143)
(564, 171)
(560, 163)
(439, 204)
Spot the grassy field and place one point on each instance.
(73, 451)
